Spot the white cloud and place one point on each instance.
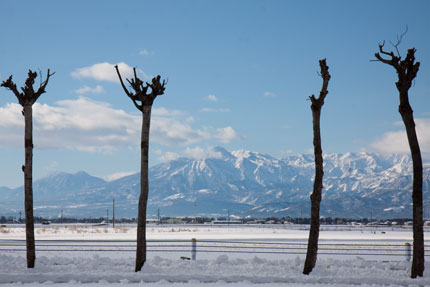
(226, 135)
(11, 115)
(310, 151)
(269, 94)
(88, 90)
(51, 167)
(200, 153)
(106, 72)
(87, 125)
(190, 119)
(168, 156)
(144, 52)
(211, 110)
(396, 141)
(212, 98)
(166, 112)
(118, 175)
(287, 152)
(80, 124)
(171, 131)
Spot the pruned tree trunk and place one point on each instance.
(311, 255)
(146, 100)
(407, 71)
(27, 98)
(28, 186)
(144, 189)
(417, 190)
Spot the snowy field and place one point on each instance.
(86, 265)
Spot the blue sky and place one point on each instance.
(239, 76)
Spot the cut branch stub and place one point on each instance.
(325, 75)
(406, 69)
(140, 95)
(9, 84)
(28, 95)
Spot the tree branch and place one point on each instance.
(394, 61)
(141, 91)
(9, 84)
(399, 40)
(42, 86)
(122, 83)
(139, 107)
(157, 88)
(325, 75)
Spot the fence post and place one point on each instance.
(408, 251)
(193, 248)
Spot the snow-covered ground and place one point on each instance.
(94, 268)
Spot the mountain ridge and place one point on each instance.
(243, 183)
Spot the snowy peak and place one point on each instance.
(244, 182)
(223, 153)
(269, 185)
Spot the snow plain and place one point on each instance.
(94, 268)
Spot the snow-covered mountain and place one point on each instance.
(239, 182)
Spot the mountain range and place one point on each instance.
(242, 183)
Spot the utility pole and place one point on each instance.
(113, 213)
(228, 217)
(158, 216)
(61, 218)
(107, 216)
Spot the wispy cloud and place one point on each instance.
(106, 72)
(269, 95)
(144, 52)
(212, 98)
(287, 152)
(396, 141)
(200, 153)
(168, 156)
(118, 175)
(92, 126)
(215, 110)
(163, 112)
(88, 90)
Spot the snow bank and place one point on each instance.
(158, 271)
(211, 269)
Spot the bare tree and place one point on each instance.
(407, 70)
(27, 98)
(146, 99)
(317, 103)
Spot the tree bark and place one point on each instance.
(28, 186)
(143, 102)
(407, 70)
(27, 98)
(312, 251)
(311, 255)
(417, 191)
(144, 189)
